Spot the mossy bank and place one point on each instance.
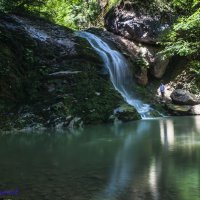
(50, 77)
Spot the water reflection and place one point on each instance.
(197, 124)
(124, 171)
(121, 171)
(167, 132)
(145, 160)
(154, 173)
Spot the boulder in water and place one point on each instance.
(179, 109)
(183, 97)
(126, 113)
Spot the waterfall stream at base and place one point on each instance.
(120, 73)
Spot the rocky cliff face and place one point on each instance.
(49, 77)
(139, 26)
(142, 26)
(138, 21)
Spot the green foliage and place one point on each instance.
(141, 63)
(75, 14)
(112, 3)
(195, 68)
(72, 13)
(14, 5)
(183, 38)
(184, 7)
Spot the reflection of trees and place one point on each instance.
(143, 169)
(167, 132)
(178, 166)
(148, 160)
(133, 156)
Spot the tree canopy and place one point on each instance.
(183, 38)
(13, 5)
(72, 13)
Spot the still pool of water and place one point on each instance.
(145, 160)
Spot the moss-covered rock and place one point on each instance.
(50, 77)
(125, 113)
(179, 109)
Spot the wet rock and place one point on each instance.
(75, 122)
(179, 109)
(58, 76)
(183, 97)
(126, 113)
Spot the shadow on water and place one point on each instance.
(143, 160)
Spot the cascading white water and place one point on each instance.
(120, 73)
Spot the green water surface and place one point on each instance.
(145, 160)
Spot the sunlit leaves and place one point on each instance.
(187, 23)
(184, 37)
(72, 13)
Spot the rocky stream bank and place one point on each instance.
(138, 29)
(51, 77)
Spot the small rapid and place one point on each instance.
(120, 73)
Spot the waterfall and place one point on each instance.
(120, 73)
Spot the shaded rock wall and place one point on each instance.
(142, 25)
(50, 77)
(138, 21)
